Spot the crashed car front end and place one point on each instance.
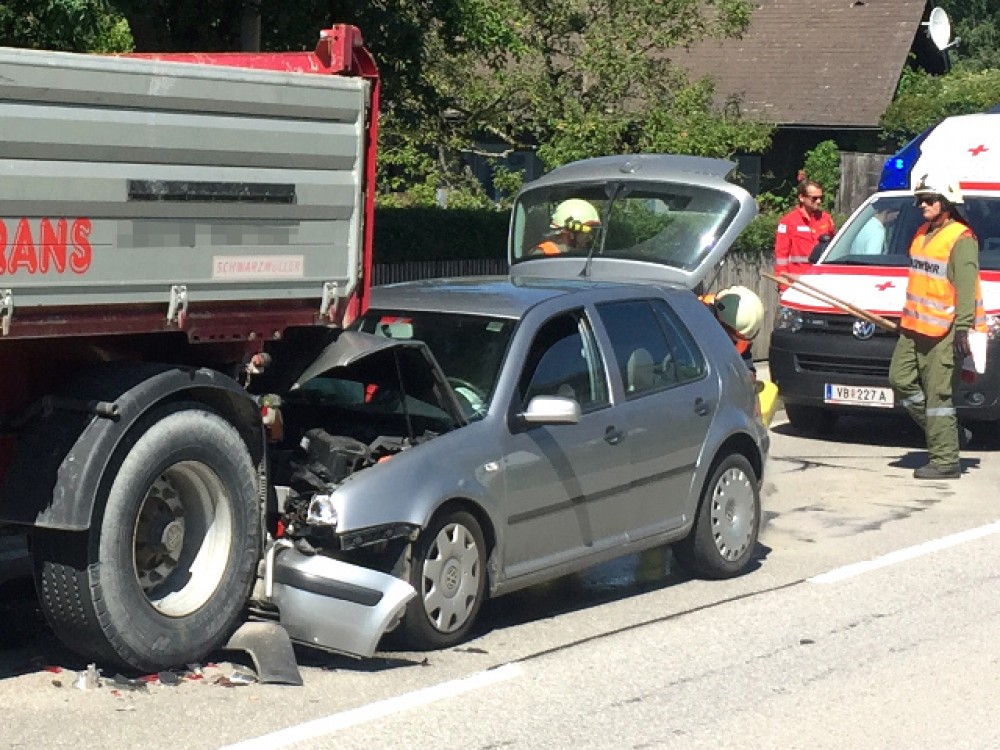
(363, 402)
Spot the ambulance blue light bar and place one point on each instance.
(896, 170)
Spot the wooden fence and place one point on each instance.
(859, 176)
(734, 271)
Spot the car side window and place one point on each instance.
(688, 361)
(652, 348)
(564, 361)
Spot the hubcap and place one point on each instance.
(451, 575)
(733, 514)
(182, 538)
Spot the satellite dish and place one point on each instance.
(939, 29)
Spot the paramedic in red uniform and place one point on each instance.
(800, 229)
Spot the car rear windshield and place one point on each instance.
(469, 348)
(880, 235)
(672, 224)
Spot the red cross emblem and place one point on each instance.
(884, 285)
(978, 150)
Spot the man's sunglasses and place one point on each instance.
(815, 197)
(927, 200)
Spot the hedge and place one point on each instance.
(416, 234)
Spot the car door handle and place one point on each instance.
(701, 407)
(613, 436)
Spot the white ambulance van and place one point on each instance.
(827, 363)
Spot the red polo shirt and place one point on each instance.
(798, 232)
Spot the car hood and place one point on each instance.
(356, 354)
(712, 212)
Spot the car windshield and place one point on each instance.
(469, 348)
(880, 234)
(672, 224)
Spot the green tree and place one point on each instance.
(976, 23)
(68, 25)
(923, 100)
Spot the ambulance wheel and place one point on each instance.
(448, 570)
(163, 575)
(811, 420)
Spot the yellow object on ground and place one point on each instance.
(767, 395)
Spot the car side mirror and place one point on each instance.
(551, 410)
(819, 248)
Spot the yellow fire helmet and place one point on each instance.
(740, 310)
(576, 215)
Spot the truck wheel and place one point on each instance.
(724, 536)
(448, 570)
(164, 572)
(810, 419)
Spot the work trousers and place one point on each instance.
(922, 372)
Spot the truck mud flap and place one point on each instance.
(331, 604)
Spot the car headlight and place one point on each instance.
(993, 326)
(788, 320)
(322, 512)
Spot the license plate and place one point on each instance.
(858, 395)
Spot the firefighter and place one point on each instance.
(741, 314)
(573, 225)
(943, 301)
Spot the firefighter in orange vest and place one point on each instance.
(574, 224)
(943, 301)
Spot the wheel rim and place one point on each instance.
(733, 512)
(451, 574)
(182, 538)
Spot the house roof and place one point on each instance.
(818, 63)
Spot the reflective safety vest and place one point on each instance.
(549, 248)
(930, 296)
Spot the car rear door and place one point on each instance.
(666, 406)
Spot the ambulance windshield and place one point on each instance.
(880, 234)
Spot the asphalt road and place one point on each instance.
(869, 621)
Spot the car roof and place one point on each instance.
(498, 296)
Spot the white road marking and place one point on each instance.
(312, 730)
(908, 553)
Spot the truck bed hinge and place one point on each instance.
(331, 293)
(6, 310)
(178, 306)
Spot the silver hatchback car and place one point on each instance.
(470, 437)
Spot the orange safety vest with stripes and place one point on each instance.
(549, 248)
(930, 296)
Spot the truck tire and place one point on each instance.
(448, 570)
(723, 539)
(811, 420)
(163, 574)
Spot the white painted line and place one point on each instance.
(908, 553)
(312, 730)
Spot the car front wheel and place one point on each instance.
(724, 536)
(448, 570)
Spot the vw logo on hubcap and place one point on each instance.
(863, 330)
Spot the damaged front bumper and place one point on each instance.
(332, 604)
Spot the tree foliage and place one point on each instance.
(923, 100)
(69, 25)
(976, 23)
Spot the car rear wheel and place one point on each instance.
(724, 536)
(810, 419)
(448, 570)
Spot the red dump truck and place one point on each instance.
(169, 225)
